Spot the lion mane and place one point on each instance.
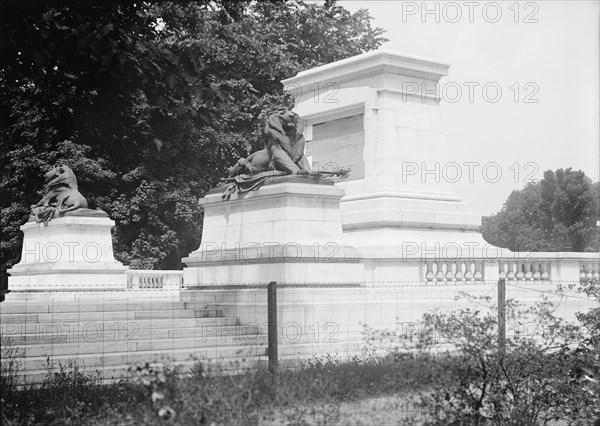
(61, 194)
(277, 128)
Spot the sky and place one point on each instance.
(544, 58)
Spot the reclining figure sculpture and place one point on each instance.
(284, 147)
(283, 154)
(60, 195)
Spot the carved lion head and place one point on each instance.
(287, 128)
(60, 175)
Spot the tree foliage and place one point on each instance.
(558, 213)
(148, 103)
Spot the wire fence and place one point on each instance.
(111, 334)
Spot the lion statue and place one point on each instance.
(60, 195)
(284, 147)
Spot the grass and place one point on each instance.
(309, 394)
(366, 389)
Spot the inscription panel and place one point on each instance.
(339, 144)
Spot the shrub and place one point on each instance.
(532, 379)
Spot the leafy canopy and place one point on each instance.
(558, 213)
(148, 103)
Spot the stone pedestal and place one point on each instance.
(71, 252)
(288, 231)
(378, 113)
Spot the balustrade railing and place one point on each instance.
(154, 280)
(589, 270)
(525, 270)
(456, 270)
(517, 267)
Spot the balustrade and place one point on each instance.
(154, 280)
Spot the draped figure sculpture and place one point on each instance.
(283, 154)
(283, 147)
(60, 195)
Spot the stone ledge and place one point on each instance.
(297, 178)
(304, 188)
(76, 213)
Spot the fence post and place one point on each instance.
(272, 326)
(501, 314)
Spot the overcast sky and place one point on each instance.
(553, 46)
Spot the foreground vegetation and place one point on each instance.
(311, 393)
(453, 372)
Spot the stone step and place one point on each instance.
(93, 296)
(59, 306)
(131, 315)
(140, 345)
(55, 329)
(126, 358)
(126, 331)
(228, 358)
(114, 373)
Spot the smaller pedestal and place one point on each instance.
(287, 231)
(71, 252)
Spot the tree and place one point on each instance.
(558, 213)
(148, 104)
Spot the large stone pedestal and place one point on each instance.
(71, 252)
(287, 231)
(378, 113)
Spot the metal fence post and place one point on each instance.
(501, 314)
(272, 325)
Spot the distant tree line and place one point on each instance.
(558, 213)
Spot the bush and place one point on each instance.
(532, 379)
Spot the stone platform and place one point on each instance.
(289, 230)
(72, 251)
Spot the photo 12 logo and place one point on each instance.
(288, 332)
(490, 92)
(453, 12)
(470, 171)
(72, 332)
(269, 251)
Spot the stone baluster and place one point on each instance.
(545, 266)
(135, 281)
(478, 276)
(536, 271)
(449, 272)
(520, 275)
(528, 271)
(459, 276)
(469, 271)
(439, 276)
(510, 275)
(429, 275)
